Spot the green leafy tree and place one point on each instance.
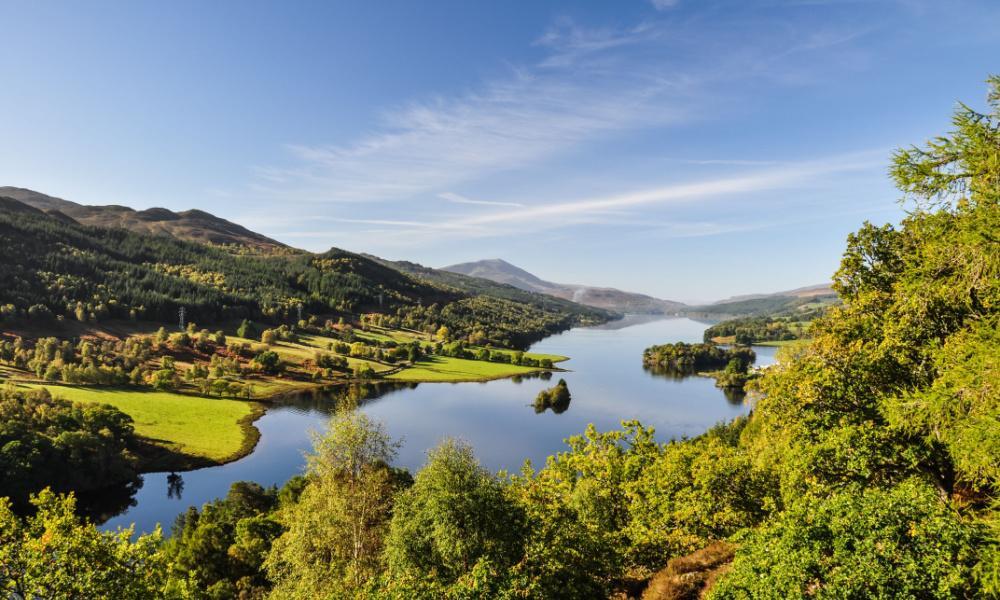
(455, 530)
(578, 512)
(218, 552)
(335, 532)
(55, 554)
(901, 542)
(557, 398)
(246, 330)
(47, 442)
(269, 361)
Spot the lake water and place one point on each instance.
(606, 379)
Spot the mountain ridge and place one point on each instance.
(194, 225)
(808, 291)
(607, 298)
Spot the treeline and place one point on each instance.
(106, 362)
(609, 508)
(683, 358)
(89, 273)
(45, 442)
(487, 319)
(753, 330)
(767, 305)
(55, 270)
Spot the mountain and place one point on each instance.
(605, 298)
(481, 286)
(191, 225)
(797, 300)
(56, 270)
(821, 289)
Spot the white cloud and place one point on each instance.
(569, 43)
(591, 85)
(459, 199)
(573, 96)
(604, 210)
(762, 180)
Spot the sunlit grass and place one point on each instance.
(445, 368)
(203, 427)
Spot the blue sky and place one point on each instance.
(689, 149)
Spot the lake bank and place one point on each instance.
(497, 417)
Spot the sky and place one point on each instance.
(688, 149)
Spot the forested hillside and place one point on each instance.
(57, 269)
(766, 305)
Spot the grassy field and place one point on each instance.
(297, 353)
(444, 368)
(179, 431)
(553, 357)
(395, 335)
(211, 429)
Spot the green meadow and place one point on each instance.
(212, 429)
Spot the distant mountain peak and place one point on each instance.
(501, 271)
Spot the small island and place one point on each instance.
(557, 398)
(783, 329)
(729, 366)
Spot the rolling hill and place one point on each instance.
(501, 271)
(192, 225)
(797, 300)
(56, 269)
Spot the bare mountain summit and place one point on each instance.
(502, 271)
(192, 225)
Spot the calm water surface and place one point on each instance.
(606, 380)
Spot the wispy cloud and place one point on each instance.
(762, 180)
(577, 93)
(663, 4)
(589, 85)
(568, 43)
(604, 210)
(510, 124)
(459, 199)
(739, 162)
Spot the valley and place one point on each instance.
(631, 300)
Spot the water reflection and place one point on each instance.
(558, 406)
(101, 505)
(543, 375)
(175, 486)
(667, 372)
(605, 375)
(735, 397)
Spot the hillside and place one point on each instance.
(482, 286)
(59, 269)
(191, 225)
(606, 298)
(810, 291)
(800, 300)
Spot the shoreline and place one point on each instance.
(160, 459)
